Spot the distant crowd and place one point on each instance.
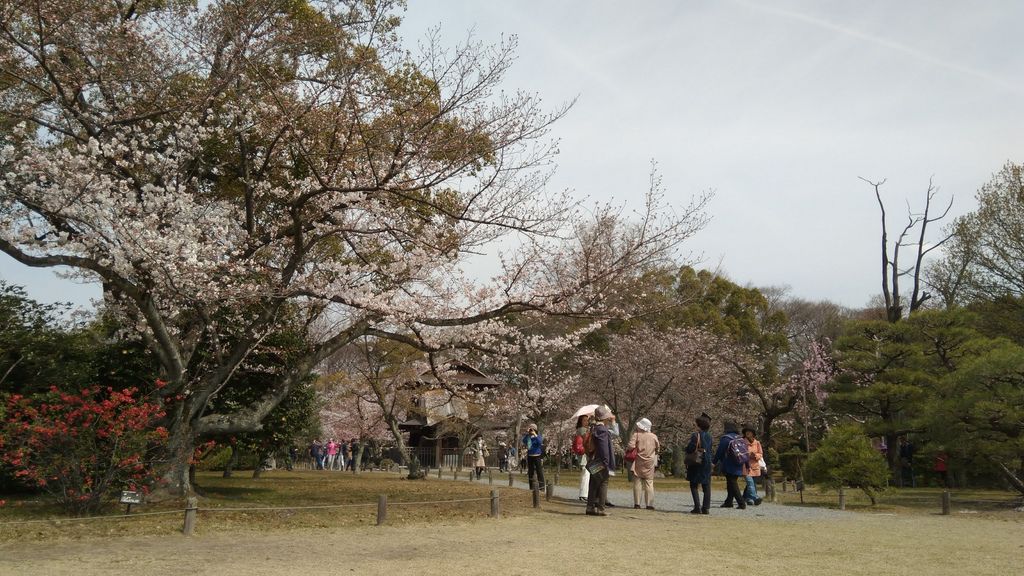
(332, 455)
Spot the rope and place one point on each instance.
(87, 518)
(326, 506)
(255, 509)
(273, 508)
(439, 501)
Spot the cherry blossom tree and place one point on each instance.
(668, 376)
(231, 167)
(367, 390)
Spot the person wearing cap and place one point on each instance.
(647, 448)
(732, 469)
(600, 461)
(753, 466)
(534, 444)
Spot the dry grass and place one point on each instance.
(359, 493)
(906, 538)
(558, 540)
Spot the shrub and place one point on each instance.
(81, 447)
(846, 458)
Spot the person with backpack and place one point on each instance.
(698, 464)
(600, 461)
(732, 457)
(756, 456)
(582, 429)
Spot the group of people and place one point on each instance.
(332, 455)
(738, 454)
(594, 444)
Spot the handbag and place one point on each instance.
(630, 454)
(695, 458)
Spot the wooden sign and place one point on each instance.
(129, 497)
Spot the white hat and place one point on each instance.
(644, 424)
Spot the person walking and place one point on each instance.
(698, 464)
(756, 456)
(582, 428)
(731, 465)
(647, 447)
(480, 454)
(600, 461)
(534, 444)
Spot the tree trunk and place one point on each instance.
(678, 470)
(892, 455)
(258, 470)
(358, 455)
(176, 477)
(1016, 481)
(403, 450)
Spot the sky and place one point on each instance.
(777, 107)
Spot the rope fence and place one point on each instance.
(192, 509)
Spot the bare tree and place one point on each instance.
(891, 271)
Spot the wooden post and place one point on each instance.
(455, 474)
(471, 472)
(438, 473)
(490, 477)
(556, 474)
(842, 498)
(549, 490)
(191, 505)
(510, 479)
(536, 496)
(495, 505)
(945, 503)
(382, 509)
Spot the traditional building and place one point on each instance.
(445, 415)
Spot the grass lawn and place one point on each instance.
(275, 489)
(902, 535)
(359, 494)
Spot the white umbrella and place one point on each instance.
(587, 410)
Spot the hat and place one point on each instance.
(602, 413)
(531, 427)
(644, 424)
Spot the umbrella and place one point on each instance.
(587, 410)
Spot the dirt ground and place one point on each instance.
(557, 540)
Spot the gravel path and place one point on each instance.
(681, 501)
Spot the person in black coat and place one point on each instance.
(600, 461)
(699, 475)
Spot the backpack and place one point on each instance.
(588, 443)
(739, 451)
(577, 445)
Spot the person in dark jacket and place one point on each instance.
(733, 470)
(600, 461)
(700, 475)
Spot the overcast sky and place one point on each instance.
(776, 106)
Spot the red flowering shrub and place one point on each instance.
(81, 447)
